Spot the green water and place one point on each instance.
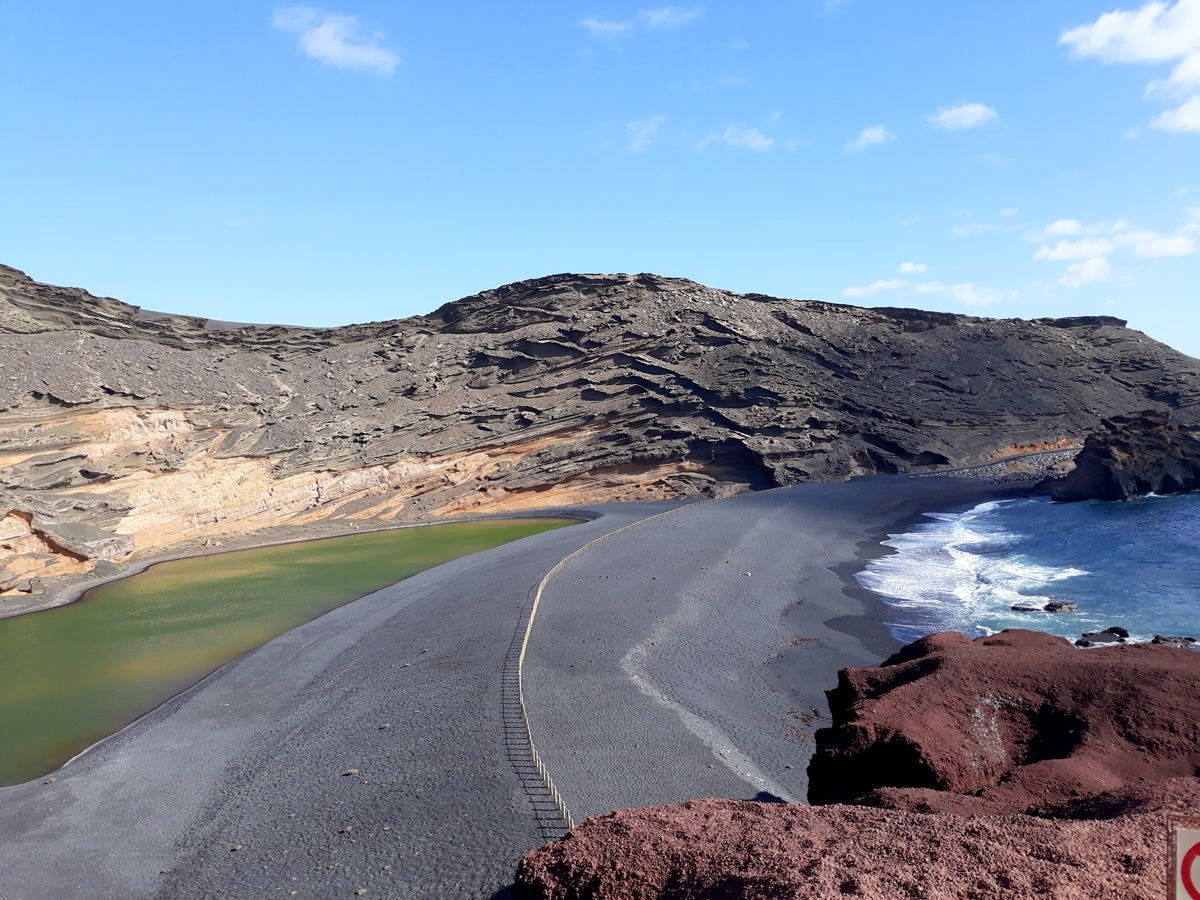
(72, 675)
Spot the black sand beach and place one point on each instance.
(658, 670)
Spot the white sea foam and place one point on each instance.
(957, 571)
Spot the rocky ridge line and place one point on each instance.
(157, 429)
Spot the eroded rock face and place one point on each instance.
(755, 851)
(566, 389)
(1008, 723)
(1131, 456)
(1008, 766)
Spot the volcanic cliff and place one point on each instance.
(123, 430)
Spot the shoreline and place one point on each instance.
(72, 589)
(272, 732)
(872, 547)
(294, 698)
(716, 633)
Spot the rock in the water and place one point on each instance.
(1132, 456)
(1007, 721)
(1174, 640)
(1114, 634)
(1061, 606)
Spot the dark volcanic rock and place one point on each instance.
(565, 389)
(1111, 635)
(1007, 722)
(1133, 455)
(1174, 640)
(1061, 606)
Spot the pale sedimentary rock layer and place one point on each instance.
(573, 388)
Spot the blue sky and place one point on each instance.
(368, 159)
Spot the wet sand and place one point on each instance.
(658, 670)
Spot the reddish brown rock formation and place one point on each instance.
(1016, 720)
(1008, 766)
(740, 849)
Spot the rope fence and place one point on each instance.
(516, 672)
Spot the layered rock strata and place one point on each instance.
(123, 430)
(1131, 456)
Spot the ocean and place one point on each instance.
(1134, 564)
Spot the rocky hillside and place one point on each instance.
(123, 430)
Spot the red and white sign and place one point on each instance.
(1185, 857)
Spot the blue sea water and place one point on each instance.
(1134, 564)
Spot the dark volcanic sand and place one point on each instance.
(731, 667)
(252, 757)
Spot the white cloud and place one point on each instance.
(641, 134)
(334, 40)
(912, 268)
(966, 292)
(1075, 228)
(1010, 212)
(668, 17)
(1184, 119)
(663, 18)
(1176, 245)
(1095, 242)
(1089, 271)
(873, 288)
(869, 137)
(1157, 32)
(1183, 78)
(738, 137)
(1064, 226)
(963, 116)
(601, 28)
(1081, 249)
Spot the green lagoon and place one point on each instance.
(72, 675)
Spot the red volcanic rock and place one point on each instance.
(760, 851)
(1016, 720)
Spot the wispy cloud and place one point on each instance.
(1183, 119)
(869, 137)
(967, 293)
(661, 18)
(1068, 250)
(1089, 271)
(606, 28)
(875, 287)
(911, 268)
(738, 137)
(1157, 32)
(1089, 246)
(963, 116)
(668, 16)
(335, 40)
(641, 134)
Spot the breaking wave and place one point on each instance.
(1133, 564)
